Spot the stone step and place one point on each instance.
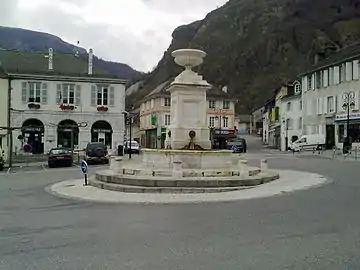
(200, 182)
(170, 190)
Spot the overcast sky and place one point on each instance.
(136, 32)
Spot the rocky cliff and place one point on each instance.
(255, 45)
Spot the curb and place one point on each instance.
(74, 189)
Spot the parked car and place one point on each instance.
(308, 142)
(237, 145)
(135, 147)
(2, 160)
(60, 156)
(96, 153)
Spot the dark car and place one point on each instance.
(237, 145)
(96, 153)
(60, 156)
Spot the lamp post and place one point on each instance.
(286, 126)
(348, 103)
(128, 120)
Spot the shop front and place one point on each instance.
(341, 129)
(221, 136)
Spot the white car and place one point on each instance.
(135, 147)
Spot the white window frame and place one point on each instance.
(297, 88)
(167, 102)
(226, 105)
(310, 81)
(66, 90)
(34, 97)
(212, 121)
(330, 104)
(101, 90)
(212, 104)
(225, 122)
(167, 119)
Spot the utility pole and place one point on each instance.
(9, 130)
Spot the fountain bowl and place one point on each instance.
(188, 57)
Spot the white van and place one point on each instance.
(135, 147)
(308, 142)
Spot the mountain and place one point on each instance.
(27, 40)
(255, 45)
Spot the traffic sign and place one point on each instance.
(27, 148)
(234, 148)
(84, 167)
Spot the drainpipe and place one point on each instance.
(10, 132)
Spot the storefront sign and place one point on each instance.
(224, 132)
(32, 129)
(102, 130)
(343, 117)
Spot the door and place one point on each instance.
(330, 136)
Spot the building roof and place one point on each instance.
(36, 63)
(342, 55)
(161, 90)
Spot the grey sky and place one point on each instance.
(136, 32)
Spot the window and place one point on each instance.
(167, 119)
(297, 88)
(167, 102)
(212, 121)
(354, 132)
(352, 70)
(68, 94)
(288, 124)
(288, 106)
(34, 93)
(319, 79)
(102, 96)
(226, 104)
(309, 81)
(212, 104)
(330, 104)
(300, 105)
(225, 122)
(300, 123)
(341, 73)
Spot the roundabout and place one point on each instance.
(289, 181)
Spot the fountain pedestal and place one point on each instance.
(188, 102)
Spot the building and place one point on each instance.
(327, 91)
(256, 120)
(155, 116)
(243, 123)
(291, 115)
(62, 100)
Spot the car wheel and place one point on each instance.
(50, 165)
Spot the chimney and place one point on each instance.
(51, 58)
(90, 63)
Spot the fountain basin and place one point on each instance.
(190, 159)
(188, 57)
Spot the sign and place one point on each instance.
(102, 130)
(234, 148)
(27, 148)
(32, 129)
(84, 167)
(225, 132)
(342, 117)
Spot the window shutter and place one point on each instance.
(325, 78)
(335, 104)
(356, 108)
(325, 107)
(44, 91)
(356, 69)
(313, 81)
(77, 95)
(93, 95)
(336, 75)
(112, 96)
(58, 94)
(24, 93)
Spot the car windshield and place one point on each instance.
(96, 145)
(60, 151)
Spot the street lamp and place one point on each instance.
(128, 120)
(348, 103)
(286, 126)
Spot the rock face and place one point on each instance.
(255, 45)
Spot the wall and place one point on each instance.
(3, 115)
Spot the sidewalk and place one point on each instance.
(330, 154)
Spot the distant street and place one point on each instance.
(313, 229)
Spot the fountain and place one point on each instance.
(188, 164)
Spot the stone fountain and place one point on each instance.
(188, 164)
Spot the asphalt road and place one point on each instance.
(313, 229)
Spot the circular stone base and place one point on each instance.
(289, 181)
